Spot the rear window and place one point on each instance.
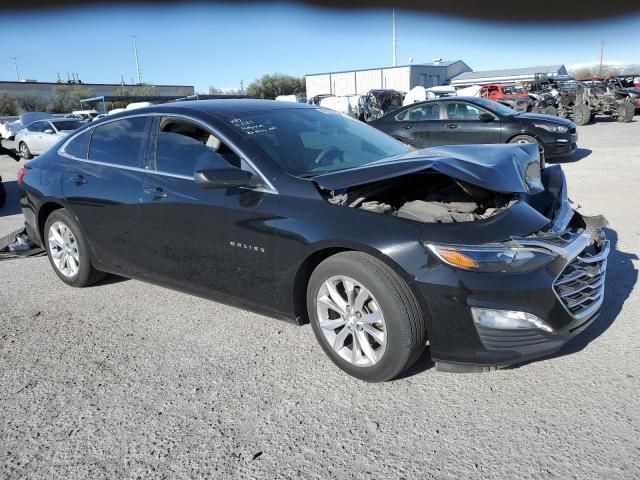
(79, 146)
(120, 142)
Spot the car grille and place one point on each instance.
(580, 286)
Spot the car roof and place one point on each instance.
(222, 106)
(451, 99)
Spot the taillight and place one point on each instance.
(21, 173)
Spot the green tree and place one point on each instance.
(143, 90)
(8, 105)
(270, 86)
(31, 102)
(66, 98)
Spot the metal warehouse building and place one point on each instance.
(402, 78)
(503, 76)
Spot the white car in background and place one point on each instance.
(10, 129)
(42, 134)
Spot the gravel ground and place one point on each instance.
(128, 380)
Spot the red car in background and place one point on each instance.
(513, 96)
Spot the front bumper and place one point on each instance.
(561, 146)
(567, 295)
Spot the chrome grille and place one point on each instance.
(580, 286)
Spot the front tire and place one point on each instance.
(550, 111)
(24, 151)
(626, 111)
(365, 317)
(581, 114)
(68, 250)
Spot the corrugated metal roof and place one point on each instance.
(511, 72)
(444, 63)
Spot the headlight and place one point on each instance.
(552, 128)
(493, 259)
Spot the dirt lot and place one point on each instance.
(128, 380)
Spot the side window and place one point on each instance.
(79, 146)
(181, 144)
(36, 127)
(429, 111)
(121, 142)
(463, 111)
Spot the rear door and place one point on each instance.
(218, 240)
(422, 126)
(35, 135)
(463, 125)
(103, 190)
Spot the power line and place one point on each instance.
(135, 52)
(15, 64)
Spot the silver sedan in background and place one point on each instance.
(38, 136)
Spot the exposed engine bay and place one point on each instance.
(427, 197)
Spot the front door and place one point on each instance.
(464, 126)
(103, 191)
(211, 241)
(421, 126)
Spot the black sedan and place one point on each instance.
(306, 214)
(465, 120)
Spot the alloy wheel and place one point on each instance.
(64, 249)
(351, 321)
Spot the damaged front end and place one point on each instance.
(500, 187)
(509, 253)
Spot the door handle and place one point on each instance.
(155, 193)
(407, 127)
(79, 179)
(452, 125)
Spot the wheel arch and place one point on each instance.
(309, 264)
(528, 134)
(44, 211)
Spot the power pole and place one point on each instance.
(394, 43)
(15, 64)
(601, 56)
(135, 52)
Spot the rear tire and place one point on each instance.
(550, 111)
(626, 111)
(581, 114)
(396, 338)
(23, 148)
(68, 250)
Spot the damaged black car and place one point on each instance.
(302, 213)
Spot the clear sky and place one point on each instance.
(222, 44)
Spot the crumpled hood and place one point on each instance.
(499, 168)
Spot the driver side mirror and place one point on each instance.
(486, 117)
(49, 131)
(213, 171)
(229, 177)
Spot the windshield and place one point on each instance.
(308, 142)
(67, 124)
(512, 90)
(495, 107)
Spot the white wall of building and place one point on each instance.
(368, 80)
(318, 84)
